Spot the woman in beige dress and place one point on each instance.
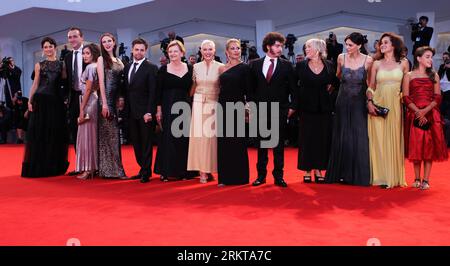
(202, 155)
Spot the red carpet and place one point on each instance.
(49, 211)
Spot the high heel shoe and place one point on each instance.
(203, 179)
(425, 185)
(416, 183)
(307, 179)
(86, 175)
(318, 178)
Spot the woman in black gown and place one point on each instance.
(349, 156)
(47, 144)
(316, 78)
(232, 157)
(174, 82)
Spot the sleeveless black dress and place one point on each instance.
(46, 150)
(349, 157)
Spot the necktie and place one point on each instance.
(270, 70)
(133, 71)
(75, 77)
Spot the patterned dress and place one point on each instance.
(110, 157)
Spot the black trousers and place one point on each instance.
(141, 135)
(74, 113)
(278, 154)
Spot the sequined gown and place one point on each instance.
(110, 157)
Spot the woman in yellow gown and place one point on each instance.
(386, 142)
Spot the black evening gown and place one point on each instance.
(46, 150)
(232, 157)
(349, 156)
(171, 157)
(314, 126)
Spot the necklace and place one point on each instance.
(315, 66)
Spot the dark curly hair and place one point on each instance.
(397, 43)
(270, 40)
(49, 40)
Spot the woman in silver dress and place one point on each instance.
(87, 149)
(109, 69)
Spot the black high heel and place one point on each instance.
(307, 179)
(319, 180)
(164, 178)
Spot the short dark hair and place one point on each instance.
(95, 51)
(446, 53)
(424, 17)
(270, 40)
(356, 37)
(140, 41)
(49, 40)
(78, 29)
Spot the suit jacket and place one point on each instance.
(282, 87)
(141, 92)
(425, 36)
(69, 69)
(13, 77)
(443, 70)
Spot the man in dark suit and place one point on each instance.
(74, 68)
(11, 74)
(274, 81)
(334, 48)
(444, 76)
(421, 34)
(140, 86)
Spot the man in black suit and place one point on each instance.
(334, 48)
(74, 68)
(421, 34)
(444, 76)
(140, 86)
(274, 81)
(10, 73)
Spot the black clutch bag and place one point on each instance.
(382, 111)
(425, 126)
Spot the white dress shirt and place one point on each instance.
(79, 62)
(445, 83)
(267, 63)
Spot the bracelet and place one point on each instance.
(369, 100)
(370, 90)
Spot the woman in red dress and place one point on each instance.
(424, 136)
